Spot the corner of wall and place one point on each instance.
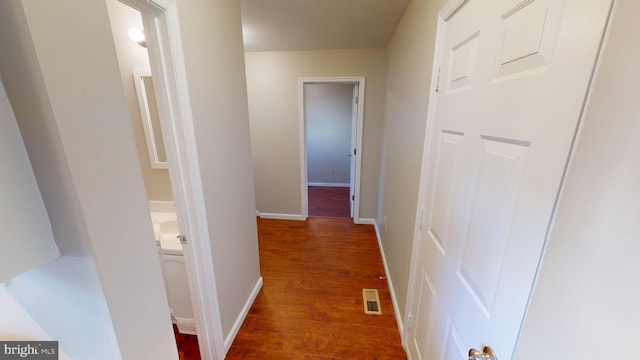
(228, 341)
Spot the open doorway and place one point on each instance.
(331, 123)
(167, 62)
(140, 87)
(164, 217)
(329, 110)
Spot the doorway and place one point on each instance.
(331, 126)
(329, 110)
(139, 89)
(164, 46)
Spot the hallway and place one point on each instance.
(310, 306)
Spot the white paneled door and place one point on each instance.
(514, 77)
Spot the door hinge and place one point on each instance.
(357, 99)
(421, 218)
(438, 79)
(354, 151)
(183, 239)
(353, 198)
(409, 322)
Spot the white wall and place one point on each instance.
(328, 122)
(131, 56)
(27, 239)
(62, 79)
(410, 59)
(18, 325)
(272, 84)
(212, 41)
(585, 303)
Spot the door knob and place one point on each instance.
(486, 354)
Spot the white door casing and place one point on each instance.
(359, 84)
(513, 79)
(353, 151)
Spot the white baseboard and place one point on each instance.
(243, 314)
(365, 221)
(328, 184)
(394, 300)
(162, 206)
(186, 326)
(296, 217)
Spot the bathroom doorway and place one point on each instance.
(140, 87)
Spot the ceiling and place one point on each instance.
(275, 25)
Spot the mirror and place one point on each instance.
(150, 119)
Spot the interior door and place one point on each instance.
(514, 76)
(354, 133)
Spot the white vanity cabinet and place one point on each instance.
(174, 272)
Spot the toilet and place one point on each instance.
(174, 272)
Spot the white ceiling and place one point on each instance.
(273, 25)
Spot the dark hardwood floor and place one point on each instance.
(310, 306)
(329, 201)
(187, 345)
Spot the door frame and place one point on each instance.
(359, 81)
(355, 113)
(160, 18)
(414, 270)
(447, 11)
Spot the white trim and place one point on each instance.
(392, 291)
(422, 191)
(303, 152)
(162, 206)
(174, 108)
(366, 221)
(145, 114)
(243, 314)
(355, 94)
(147, 6)
(360, 82)
(328, 184)
(450, 8)
(296, 217)
(163, 4)
(186, 326)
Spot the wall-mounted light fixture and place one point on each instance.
(137, 36)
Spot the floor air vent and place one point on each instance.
(371, 301)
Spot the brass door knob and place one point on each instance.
(486, 354)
